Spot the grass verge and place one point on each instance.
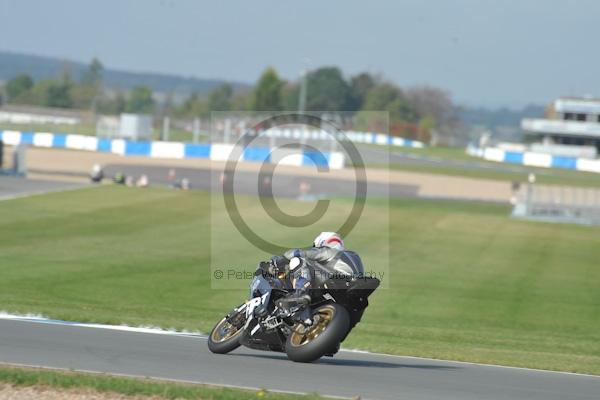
(133, 386)
(466, 282)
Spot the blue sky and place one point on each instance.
(485, 52)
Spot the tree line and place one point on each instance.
(87, 93)
(413, 112)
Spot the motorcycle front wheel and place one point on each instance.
(225, 336)
(309, 343)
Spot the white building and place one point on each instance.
(570, 123)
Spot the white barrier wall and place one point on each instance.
(175, 150)
(535, 159)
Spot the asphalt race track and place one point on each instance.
(247, 182)
(348, 374)
(12, 186)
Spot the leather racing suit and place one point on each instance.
(321, 261)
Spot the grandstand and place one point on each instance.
(571, 127)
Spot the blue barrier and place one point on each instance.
(513, 157)
(564, 162)
(197, 151)
(138, 148)
(59, 140)
(105, 145)
(27, 137)
(315, 158)
(260, 154)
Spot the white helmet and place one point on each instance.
(329, 239)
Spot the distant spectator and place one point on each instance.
(97, 173)
(304, 189)
(185, 184)
(142, 181)
(129, 181)
(266, 187)
(119, 178)
(172, 178)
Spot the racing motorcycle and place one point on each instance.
(307, 328)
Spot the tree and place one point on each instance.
(18, 86)
(38, 95)
(380, 96)
(120, 103)
(83, 96)
(326, 90)
(87, 94)
(360, 85)
(193, 106)
(267, 92)
(220, 98)
(58, 93)
(432, 103)
(140, 100)
(388, 97)
(400, 110)
(439, 116)
(242, 100)
(93, 75)
(289, 96)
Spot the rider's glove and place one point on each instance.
(264, 267)
(279, 261)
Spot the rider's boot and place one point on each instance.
(296, 298)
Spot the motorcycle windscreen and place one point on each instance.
(259, 286)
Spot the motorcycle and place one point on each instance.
(307, 328)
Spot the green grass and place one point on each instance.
(80, 129)
(448, 153)
(546, 176)
(132, 387)
(466, 282)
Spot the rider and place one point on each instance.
(328, 252)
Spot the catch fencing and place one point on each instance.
(558, 204)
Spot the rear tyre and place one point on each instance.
(308, 344)
(225, 336)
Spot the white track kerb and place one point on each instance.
(36, 318)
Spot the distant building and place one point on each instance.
(136, 126)
(570, 122)
(127, 126)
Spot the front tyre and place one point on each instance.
(308, 344)
(225, 336)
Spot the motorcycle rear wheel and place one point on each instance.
(308, 344)
(224, 337)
